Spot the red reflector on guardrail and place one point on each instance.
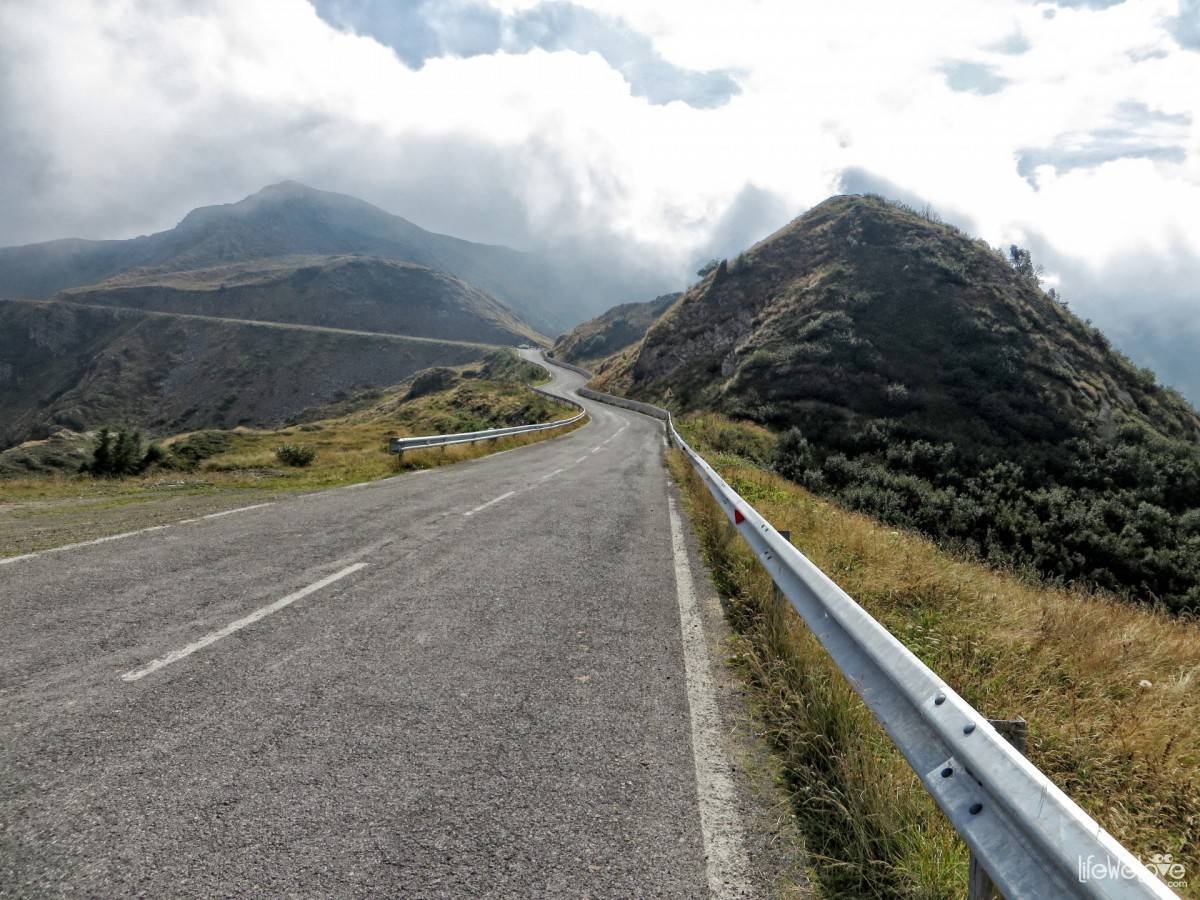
(738, 518)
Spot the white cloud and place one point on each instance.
(117, 117)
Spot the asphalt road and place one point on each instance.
(464, 682)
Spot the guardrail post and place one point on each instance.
(730, 534)
(979, 885)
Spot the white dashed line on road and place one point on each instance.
(213, 636)
(230, 512)
(483, 506)
(217, 515)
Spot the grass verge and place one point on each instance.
(1109, 690)
(211, 470)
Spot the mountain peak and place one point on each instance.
(271, 198)
(288, 187)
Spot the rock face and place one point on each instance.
(336, 292)
(861, 311)
(83, 367)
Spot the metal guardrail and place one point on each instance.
(578, 370)
(635, 405)
(1030, 837)
(400, 445)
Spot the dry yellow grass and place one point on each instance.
(47, 511)
(1110, 690)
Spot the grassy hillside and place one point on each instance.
(338, 292)
(205, 471)
(923, 379)
(620, 327)
(1108, 688)
(352, 446)
(81, 367)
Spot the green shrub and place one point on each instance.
(155, 456)
(117, 454)
(793, 455)
(298, 455)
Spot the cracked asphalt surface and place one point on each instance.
(494, 705)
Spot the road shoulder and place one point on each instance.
(773, 845)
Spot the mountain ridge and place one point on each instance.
(289, 219)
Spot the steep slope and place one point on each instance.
(918, 376)
(611, 331)
(290, 219)
(80, 367)
(860, 310)
(340, 292)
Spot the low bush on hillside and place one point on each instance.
(1118, 514)
(506, 365)
(192, 450)
(1107, 688)
(299, 455)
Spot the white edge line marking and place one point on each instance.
(483, 506)
(724, 844)
(230, 512)
(105, 539)
(213, 636)
(78, 544)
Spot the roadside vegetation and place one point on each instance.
(1120, 513)
(340, 443)
(1109, 689)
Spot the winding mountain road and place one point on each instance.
(465, 682)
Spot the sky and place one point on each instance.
(658, 133)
